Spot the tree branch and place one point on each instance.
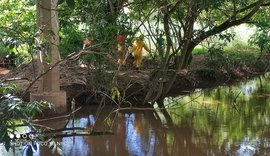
(227, 24)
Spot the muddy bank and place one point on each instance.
(80, 82)
(202, 73)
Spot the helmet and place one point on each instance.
(120, 38)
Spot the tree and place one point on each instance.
(261, 37)
(48, 56)
(186, 24)
(17, 26)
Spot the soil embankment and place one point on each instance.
(79, 83)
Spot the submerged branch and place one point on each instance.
(94, 133)
(58, 117)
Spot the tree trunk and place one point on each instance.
(166, 78)
(48, 24)
(49, 84)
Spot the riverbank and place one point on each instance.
(80, 83)
(201, 73)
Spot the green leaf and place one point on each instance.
(71, 3)
(115, 92)
(47, 58)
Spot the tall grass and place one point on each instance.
(234, 54)
(242, 54)
(200, 50)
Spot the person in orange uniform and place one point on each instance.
(121, 49)
(137, 47)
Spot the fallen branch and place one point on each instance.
(15, 79)
(69, 57)
(66, 129)
(58, 117)
(87, 133)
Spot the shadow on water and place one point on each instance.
(227, 120)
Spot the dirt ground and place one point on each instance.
(78, 81)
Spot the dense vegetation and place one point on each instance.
(174, 29)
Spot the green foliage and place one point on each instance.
(216, 52)
(7, 88)
(14, 112)
(236, 54)
(17, 26)
(200, 50)
(60, 2)
(92, 18)
(261, 38)
(115, 93)
(236, 57)
(71, 40)
(226, 36)
(71, 37)
(71, 3)
(261, 20)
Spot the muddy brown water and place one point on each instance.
(224, 121)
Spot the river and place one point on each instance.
(223, 121)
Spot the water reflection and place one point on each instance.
(224, 121)
(76, 145)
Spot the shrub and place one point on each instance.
(14, 113)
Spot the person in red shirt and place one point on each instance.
(121, 49)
